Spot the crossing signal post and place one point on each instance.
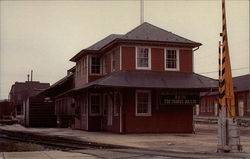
(228, 132)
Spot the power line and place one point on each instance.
(242, 68)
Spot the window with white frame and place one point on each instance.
(95, 104)
(143, 58)
(143, 103)
(84, 66)
(95, 65)
(171, 59)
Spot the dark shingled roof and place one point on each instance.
(143, 32)
(104, 42)
(150, 32)
(241, 83)
(58, 85)
(149, 79)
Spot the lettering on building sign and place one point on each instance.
(179, 99)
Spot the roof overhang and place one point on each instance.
(153, 80)
(133, 42)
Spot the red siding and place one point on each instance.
(206, 104)
(6, 108)
(94, 123)
(108, 63)
(186, 60)
(117, 58)
(157, 59)
(83, 78)
(77, 123)
(115, 127)
(81, 81)
(168, 119)
(128, 58)
(41, 114)
(94, 77)
(245, 97)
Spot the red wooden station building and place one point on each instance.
(142, 81)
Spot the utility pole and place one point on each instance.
(228, 132)
(142, 11)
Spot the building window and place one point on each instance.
(240, 106)
(19, 110)
(95, 65)
(172, 59)
(95, 104)
(84, 66)
(113, 61)
(143, 103)
(143, 58)
(215, 108)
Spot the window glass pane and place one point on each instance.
(143, 102)
(143, 57)
(95, 65)
(171, 59)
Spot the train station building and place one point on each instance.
(139, 82)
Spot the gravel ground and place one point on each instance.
(203, 141)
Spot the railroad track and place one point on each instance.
(54, 141)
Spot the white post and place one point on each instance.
(228, 133)
(142, 11)
(222, 130)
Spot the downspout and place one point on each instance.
(193, 71)
(193, 57)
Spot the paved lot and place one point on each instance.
(204, 141)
